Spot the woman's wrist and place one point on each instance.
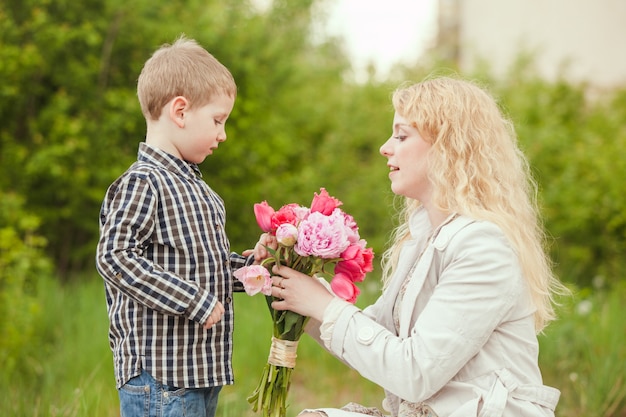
(329, 318)
(322, 306)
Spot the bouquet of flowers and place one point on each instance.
(320, 241)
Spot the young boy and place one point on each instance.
(163, 251)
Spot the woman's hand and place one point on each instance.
(300, 293)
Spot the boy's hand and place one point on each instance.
(260, 249)
(215, 316)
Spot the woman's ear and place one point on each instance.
(178, 106)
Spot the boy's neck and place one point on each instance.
(160, 137)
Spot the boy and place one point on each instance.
(163, 251)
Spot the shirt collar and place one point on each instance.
(161, 158)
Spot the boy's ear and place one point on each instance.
(178, 106)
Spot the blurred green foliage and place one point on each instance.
(22, 265)
(576, 142)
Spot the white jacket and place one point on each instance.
(467, 344)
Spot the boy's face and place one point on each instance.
(204, 129)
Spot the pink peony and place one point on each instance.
(344, 288)
(353, 228)
(287, 234)
(255, 279)
(264, 214)
(324, 203)
(301, 213)
(323, 236)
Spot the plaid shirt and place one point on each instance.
(166, 261)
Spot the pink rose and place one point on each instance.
(264, 214)
(287, 234)
(255, 279)
(344, 288)
(321, 235)
(350, 269)
(324, 203)
(368, 260)
(286, 214)
(359, 254)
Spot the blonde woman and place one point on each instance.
(467, 283)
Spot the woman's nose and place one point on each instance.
(385, 148)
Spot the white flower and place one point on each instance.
(584, 307)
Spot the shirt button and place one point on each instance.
(228, 300)
(386, 404)
(366, 335)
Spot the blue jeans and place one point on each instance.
(143, 396)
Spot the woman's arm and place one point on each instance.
(478, 283)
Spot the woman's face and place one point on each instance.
(407, 158)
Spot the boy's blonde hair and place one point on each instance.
(183, 68)
(477, 170)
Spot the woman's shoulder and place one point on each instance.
(481, 246)
(467, 231)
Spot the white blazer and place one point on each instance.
(466, 345)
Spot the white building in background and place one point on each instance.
(580, 40)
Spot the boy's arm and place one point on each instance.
(127, 224)
(237, 261)
(250, 256)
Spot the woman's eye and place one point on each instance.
(400, 137)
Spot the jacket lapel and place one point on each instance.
(438, 242)
(408, 257)
(417, 278)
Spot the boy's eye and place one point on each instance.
(218, 122)
(399, 137)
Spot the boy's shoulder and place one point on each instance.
(139, 171)
(159, 178)
(143, 168)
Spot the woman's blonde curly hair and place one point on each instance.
(477, 170)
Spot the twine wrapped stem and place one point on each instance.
(283, 353)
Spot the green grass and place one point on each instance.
(584, 354)
(67, 370)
